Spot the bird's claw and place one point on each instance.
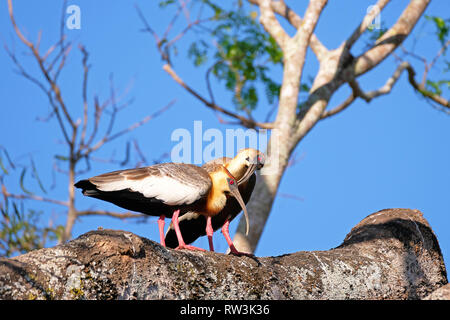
(240, 254)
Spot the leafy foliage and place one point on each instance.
(442, 27)
(442, 33)
(21, 230)
(241, 54)
(436, 87)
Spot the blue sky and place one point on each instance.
(391, 153)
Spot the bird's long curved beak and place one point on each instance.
(237, 195)
(257, 164)
(251, 169)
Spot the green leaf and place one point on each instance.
(36, 176)
(2, 166)
(62, 158)
(435, 86)
(199, 55)
(304, 87)
(242, 55)
(165, 3)
(22, 178)
(442, 26)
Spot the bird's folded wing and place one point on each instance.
(172, 183)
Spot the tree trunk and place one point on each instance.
(71, 212)
(391, 254)
(263, 196)
(336, 67)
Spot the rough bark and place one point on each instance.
(391, 254)
(443, 293)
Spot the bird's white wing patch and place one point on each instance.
(167, 189)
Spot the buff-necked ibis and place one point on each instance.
(194, 225)
(166, 190)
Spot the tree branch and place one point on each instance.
(6, 194)
(391, 39)
(244, 121)
(391, 81)
(421, 89)
(294, 19)
(108, 137)
(271, 24)
(347, 102)
(365, 22)
(84, 93)
(367, 96)
(392, 254)
(52, 82)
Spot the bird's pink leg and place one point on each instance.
(181, 243)
(233, 249)
(161, 224)
(209, 233)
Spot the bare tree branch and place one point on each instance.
(391, 81)
(54, 87)
(7, 194)
(243, 120)
(163, 48)
(84, 93)
(346, 103)
(107, 138)
(51, 64)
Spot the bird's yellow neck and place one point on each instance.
(237, 168)
(215, 203)
(217, 199)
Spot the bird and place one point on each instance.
(167, 190)
(193, 225)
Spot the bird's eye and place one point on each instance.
(231, 182)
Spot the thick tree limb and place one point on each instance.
(443, 293)
(280, 8)
(271, 24)
(391, 254)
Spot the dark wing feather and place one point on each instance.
(153, 190)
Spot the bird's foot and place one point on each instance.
(240, 253)
(188, 247)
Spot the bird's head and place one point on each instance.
(224, 185)
(244, 164)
